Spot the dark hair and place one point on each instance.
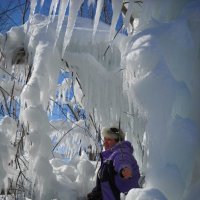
(113, 132)
(116, 131)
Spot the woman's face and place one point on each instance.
(109, 143)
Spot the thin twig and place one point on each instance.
(3, 90)
(112, 40)
(6, 104)
(12, 77)
(62, 138)
(11, 9)
(12, 96)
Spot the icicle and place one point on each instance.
(32, 11)
(41, 3)
(91, 2)
(61, 15)
(73, 12)
(52, 10)
(33, 6)
(117, 5)
(97, 16)
(128, 14)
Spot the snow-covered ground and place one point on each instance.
(149, 80)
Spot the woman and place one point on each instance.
(119, 171)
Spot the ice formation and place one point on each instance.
(148, 80)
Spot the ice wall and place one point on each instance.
(162, 60)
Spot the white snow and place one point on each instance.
(147, 194)
(149, 81)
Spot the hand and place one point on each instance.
(94, 195)
(126, 173)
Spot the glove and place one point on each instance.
(94, 195)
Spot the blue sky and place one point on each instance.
(14, 15)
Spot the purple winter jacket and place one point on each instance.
(121, 155)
